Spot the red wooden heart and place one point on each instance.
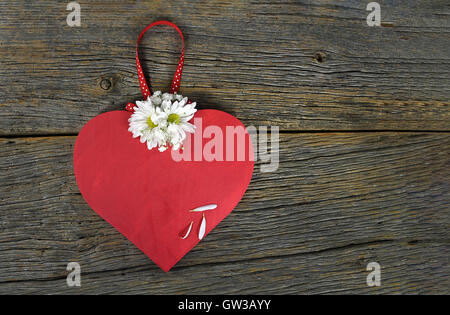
(146, 195)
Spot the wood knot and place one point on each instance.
(105, 84)
(320, 56)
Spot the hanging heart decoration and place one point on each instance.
(161, 172)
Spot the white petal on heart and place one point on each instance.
(188, 231)
(202, 229)
(204, 208)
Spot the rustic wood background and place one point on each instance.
(364, 145)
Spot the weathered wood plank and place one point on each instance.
(297, 64)
(405, 268)
(335, 200)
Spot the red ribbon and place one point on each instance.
(177, 76)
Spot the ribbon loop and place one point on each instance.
(177, 76)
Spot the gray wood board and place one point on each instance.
(337, 202)
(297, 64)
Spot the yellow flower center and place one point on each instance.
(174, 118)
(150, 123)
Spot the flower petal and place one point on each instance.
(201, 232)
(188, 231)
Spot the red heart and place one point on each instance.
(146, 195)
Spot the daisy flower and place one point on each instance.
(162, 120)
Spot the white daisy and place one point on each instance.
(162, 120)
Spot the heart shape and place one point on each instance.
(146, 195)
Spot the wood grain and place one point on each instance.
(337, 202)
(364, 153)
(405, 269)
(301, 65)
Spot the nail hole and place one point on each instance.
(105, 84)
(320, 56)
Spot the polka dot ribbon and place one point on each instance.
(176, 78)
